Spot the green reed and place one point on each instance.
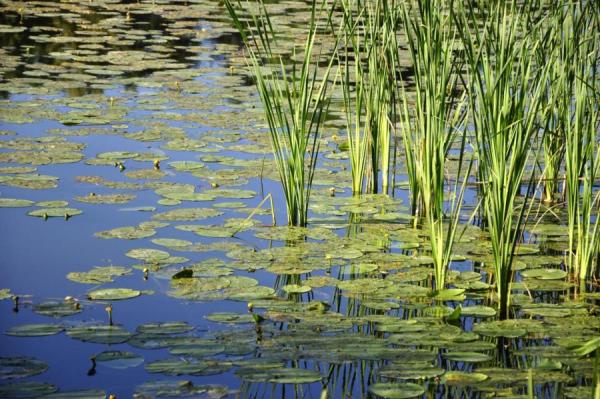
(431, 125)
(295, 102)
(370, 35)
(582, 154)
(505, 94)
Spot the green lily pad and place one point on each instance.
(78, 394)
(34, 330)
(26, 389)
(190, 366)
(15, 203)
(106, 199)
(148, 255)
(171, 327)
(467, 357)
(461, 378)
(279, 375)
(20, 367)
(119, 359)
(99, 275)
(180, 389)
(544, 274)
(390, 390)
(126, 233)
(113, 294)
(52, 204)
(478, 311)
(99, 334)
(296, 289)
(5, 294)
(58, 308)
(55, 212)
(230, 318)
(188, 214)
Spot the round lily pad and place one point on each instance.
(279, 375)
(296, 289)
(119, 359)
(463, 378)
(58, 308)
(19, 367)
(544, 274)
(26, 389)
(467, 357)
(78, 394)
(15, 203)
(113, 294)
(99, 334)
(390, 390)
(34, 330)
(55, 212)
(230, 318)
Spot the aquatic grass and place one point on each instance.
(505, 94)
(432, 125)
(581, 164)
(295, 103)
(370, 37)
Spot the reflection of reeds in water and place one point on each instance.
(505, 94)
(295, 100)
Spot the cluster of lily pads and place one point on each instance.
(344, 306)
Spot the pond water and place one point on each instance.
(145, 276)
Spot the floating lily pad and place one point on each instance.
(179, 389)
(99, 274)
(15, 203)
(20, 367)
(467, 357)
(106, 199)
(99, 334)
(78, 394)
(126, 233)
(462, 378)
(544, 274)
(280, 375)
(230, 318)
(171, 327)
(34, 330)
(113, 294)
(26, 389)
(190, 366)
(55, 212)
(390, 390)
(52, 204)
(119, 359)
(296, 289)
(58, 308)
(478, 311)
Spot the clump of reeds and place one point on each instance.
(432, 124)
(295, 98)
(506, 92)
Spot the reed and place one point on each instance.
(295, 100)
(370, 63)
(506, 92)
(431, 125)
(582, 152)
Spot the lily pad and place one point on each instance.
(15, 203)
(20, 367)
(98, 275)
(99, 334)
(113, 294)
(119, 359)
(26, 389)
(279, 375)
(55, 212)
(390, 390)
(34, 330)
(461, 378)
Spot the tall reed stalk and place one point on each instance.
(583, 154)
(294, 103)
(505, 94)
(430, 127)
(370, 63)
